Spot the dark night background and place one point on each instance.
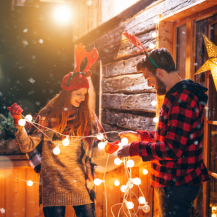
(30, 71)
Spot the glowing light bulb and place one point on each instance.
(213, 215)
(29, 183)
(151, 46)
(156, 20)
(28, 118)
(142, 200)
(22, 122)
(62, 14)
(97, 181)
(116, 183)
(129, 205)
(154, 34)
(117, 161)
(146, 208)
(145, 172)
(124, 141)
(123, 188)
(56, 150)
(101, 145)
(155, 120)
(66, 141)
(130, 163)
(100, 136)
(137, 181)
(153, 103)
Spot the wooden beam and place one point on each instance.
(188, 10)
(135, 83)
(129, 102)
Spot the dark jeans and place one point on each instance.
(176, 200)
(87, 210)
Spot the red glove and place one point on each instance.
(15, 111)
(110, 148)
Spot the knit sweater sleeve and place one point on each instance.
(27, 142)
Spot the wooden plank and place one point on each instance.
(21, 194)
(30, 199)
(128, 120)
(145, 188)
(122, 67)
(3, 192)
(131, 102)
(135, 83)
(112, 136)
(189, 10)
(36, 178)
(166, 36)
(14, 164)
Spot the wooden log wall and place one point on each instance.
(126, 98)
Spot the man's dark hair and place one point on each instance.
(162, 57)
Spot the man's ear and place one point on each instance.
(159, 73)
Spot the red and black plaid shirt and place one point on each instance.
(176, 150)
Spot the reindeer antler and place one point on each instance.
(134, 40)
(80, 54)
(92, 58)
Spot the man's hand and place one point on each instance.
(131, 136)
(124, 151)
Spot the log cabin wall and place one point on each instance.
(125, 97)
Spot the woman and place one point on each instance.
(67, 178)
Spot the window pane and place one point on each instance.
(181, 50)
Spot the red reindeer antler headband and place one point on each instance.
(134, 40)
(77, 79)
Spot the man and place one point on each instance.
(175, 149)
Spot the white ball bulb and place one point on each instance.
(29, 117)
(124, 141)
(101, 145)
(29, 183)
(155, 120)
(100, 136)
(137, 181)
(117, 161)
(97, 181)
(146, 208)
(22, 122)
(151, 46)
(142, 200)
(130, 205)
(123, 188)
(145, 172)
(154, 34)
(56, 150)
(116, 183)
(153, 103)
(66, 141)
(130, 163)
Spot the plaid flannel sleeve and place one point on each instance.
(180, 120)
(145, 135)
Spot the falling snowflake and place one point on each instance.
(89, 3)
(40, 41)
(25, 30)
(2, 210)
(1, 94)
(31, 80)
(183, 32)
(25, 42)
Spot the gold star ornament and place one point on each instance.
(211, 63)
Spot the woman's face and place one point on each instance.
(78, 96)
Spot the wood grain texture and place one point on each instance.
(128, 120)
(131, 102)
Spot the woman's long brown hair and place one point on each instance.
(59, 108)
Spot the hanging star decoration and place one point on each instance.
(211, 63)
